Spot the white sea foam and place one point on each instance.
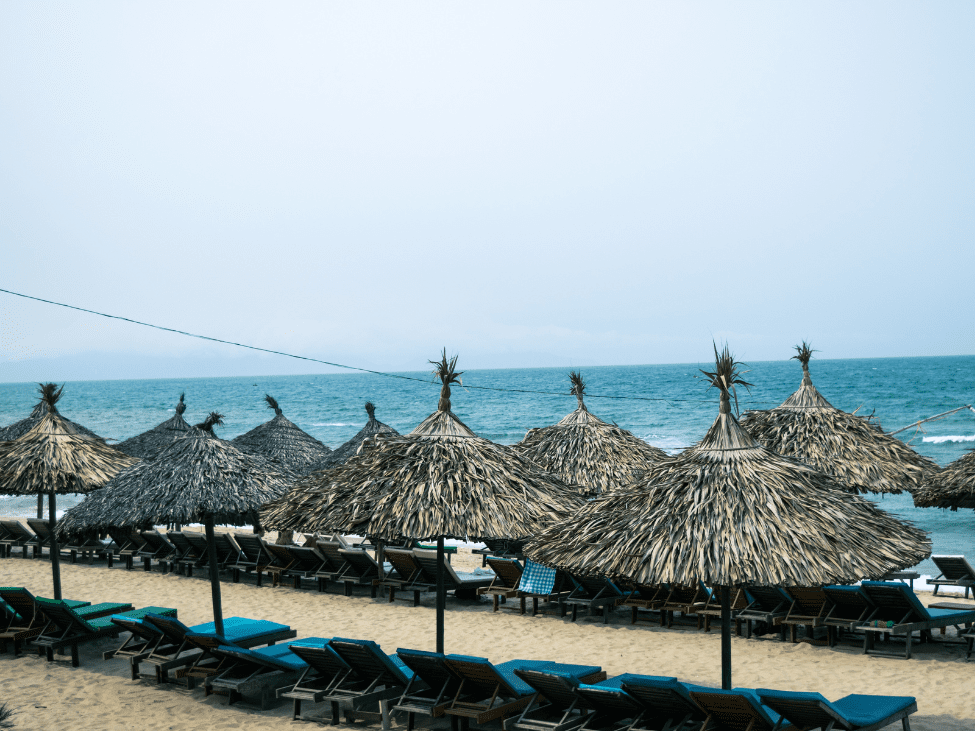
(949, 438)
(332, 424)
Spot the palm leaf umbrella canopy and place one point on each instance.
(280, 440)
(439, 481)
(583, 449)
(953, 487)
(148, 444)
(729, 511)
(373, 428)
(55, 458)
(196, 479)
(858, 454)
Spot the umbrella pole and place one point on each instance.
(55, 550)
(441, 598)
(381, 559)
(214, 576)
(725, 638)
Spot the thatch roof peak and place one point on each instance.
(803, 355)
(373, 430)
(284, 441)
(50, 394)
(214, 418)
(446, 371)
(442, 424)
(149, 443)
(273, 404)
(371, 410)
(725, 377)
(578, 388)
(55, 456)
(190, 479)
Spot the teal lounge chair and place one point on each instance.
(260, 673)
(768, 604)
(849, 607)
(496, 692)
(67, 628)
(22, 621)
(431, 689)
(735, 710)
(666, 702)
(324, 674)
(173, 651)
(852, 713)
(383, 678)
(612, 707)
(556, 706)
(592, 593)
(901, 613)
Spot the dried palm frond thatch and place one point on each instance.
(280, 440)
(953, 487)
(440, 480)
(583, 449)
(855, 452)
(50, 395)
(729, 511)
(373, 428)
(148, 444)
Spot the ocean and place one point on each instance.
(667, 405)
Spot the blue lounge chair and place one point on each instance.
(611, 706)
(666, 702)
(735, 710)
(901, 613)
(556, 706)
(383, 678)
(67, 628)
(431, 689)
(174, 652)
(592, 593)
(243, 673)
(325, 673)
(495, 691)
(849, 608)
(852, 713)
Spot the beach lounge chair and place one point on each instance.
(333, 563)
(253, 557)
(809, 608)
(281, 561)
(545, 586)
(611, 706)
(501, 548)
(143, 636)
(955, 571)
(361, 569)
(464, 585)
(326, 672)
(127, 545)
(260, 673)
(852, 713)
(768, 603)
(185, 558)
(901, 613)
(734, 710)
(431, 689)
(87, 546)
(712, 608)
(592, 593)
(68, 628)
(683, 600)
(849, 608)
(42, 536)
(495, 691)
(409, 577)
(22, 620)
(155, 546)
(15, 535)
(381, 678)
(173, 651)
(507, 576)
(556, 706)
(306, 563)
(643, 596)
(666, 702)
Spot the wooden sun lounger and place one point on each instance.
(42, 536)
(333, 563)
(325, 673)
(644, 597)
(712, 608)
(464, 586)
(545, 586)
(768, 603)
(852, 713)
(809, 609)
(67, 628)
(23, 621)
(592, 593)
(361, 569)
(735, 709)
(185, 558)
(955, 571)
(555, 706)
(849, 608)
(430, 690)
(127, 545)
(410, 576)
(900, 613)
(383, 678)
(666, 702)
(155, 546)
(243, 673)
(281, 562)
(507, 576)
(253, 557)
(16, 535)
(682, 600)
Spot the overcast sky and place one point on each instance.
(527, 184)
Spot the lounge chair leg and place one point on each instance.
(348, 588)
(410, 720)
(392, 594)
(534, 606)
(495, 602)
(416, 598)
(75, 661)
(296, 709)
(907, 649)
(574, 612)
(523, 606)
(336, 718)
(632, 615)
(605, 613)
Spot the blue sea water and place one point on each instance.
(667, 405)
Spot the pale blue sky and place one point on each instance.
(527, 184)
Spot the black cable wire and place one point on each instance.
(347, 367)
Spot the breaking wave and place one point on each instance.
(949, 438)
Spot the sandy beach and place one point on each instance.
(100, 695)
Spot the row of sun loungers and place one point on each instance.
(357, 680)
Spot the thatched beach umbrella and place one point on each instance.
(19, 428)
(439, 481)
(953, 487)
(196, 479)
(583, 449)
(280, 440)
(373, 428)
(729, 512)
(858, 454)
(55, 458)
(148, 444)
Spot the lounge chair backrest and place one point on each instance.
(596, 586)
(21, 600)
(847, 600)
(226, 548)
(680, 594)
(809, 709)
(736, 709)
(666, 698)
(479, 673)
(197, 540)
(537, 579)
(41, 527)
(62, 615)
(508, 570)
(369, 661)
(954, 568)
(308, 559)
(428, 564)
(431, 668)
(174, 630)
(768, 598)
(810, 601)
(324, 660)
(18, 530)
(610, 700)
(251, 546)
(894, 600)
(182, 545)
(137, 627)
(280, 554)
(332, 551)
(404, 562)
(362, 563)
(557, 688)
(268, 660)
